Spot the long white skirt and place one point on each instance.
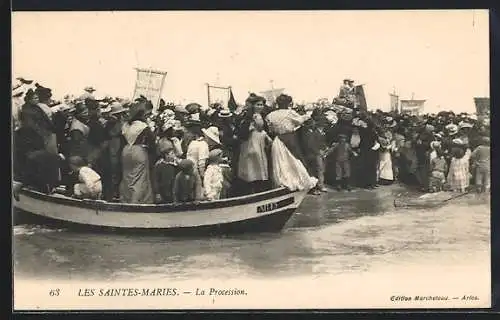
(287, 170)
(385, 166)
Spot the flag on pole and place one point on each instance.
(219, 95)
(394, 102)
(231, 104)
(482, 107)
(149, 84)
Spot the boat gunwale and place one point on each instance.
(158, 208)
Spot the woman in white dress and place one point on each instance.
(385, 167)
(288, 170)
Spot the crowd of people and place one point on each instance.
(125, 151)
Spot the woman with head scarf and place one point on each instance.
(253, 167)
(369, 153)
(287, 159)
(385, 168)
(33, 164)
(138, 157)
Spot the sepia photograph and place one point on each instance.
(201, 160)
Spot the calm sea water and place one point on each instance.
(335, 233)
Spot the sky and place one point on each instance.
(438, 55)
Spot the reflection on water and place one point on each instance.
(330, 234)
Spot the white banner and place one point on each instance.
(149, 83)
(218, 95)
(271, 95)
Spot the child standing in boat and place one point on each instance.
(90, 185)
(213, 179)
(185, 184)
(164, 173)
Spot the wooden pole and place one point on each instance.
(208, 94)
(161, 90)
(136, 81)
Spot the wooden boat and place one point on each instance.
(261, 212)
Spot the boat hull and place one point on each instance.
(271, 223)
(264, 212)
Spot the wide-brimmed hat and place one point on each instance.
(224, 113)
(463, 125)
(89, 89)
(212, 133)
(116, 108)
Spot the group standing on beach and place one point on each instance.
(120, 150)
